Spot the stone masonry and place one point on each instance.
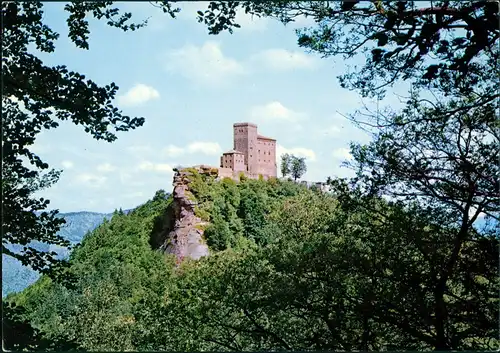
(252, 154)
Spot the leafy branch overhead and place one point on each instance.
(36, 97)
(390, 259)
(449, 45)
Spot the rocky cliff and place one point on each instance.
(185, 233)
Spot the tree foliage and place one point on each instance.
(298, 167)
(34, 98)
(450, 46)
(19, 335)
(443, 155)
(341, 271)
(20, 224)
(354, 277)
(390, 260)
(285, 164)
(292, 165)
(437, 156)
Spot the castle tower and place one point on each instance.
(245, 141)
(266, 154)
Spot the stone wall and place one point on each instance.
(225, 173)
(324, 187)
(266, 151)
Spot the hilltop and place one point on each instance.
(249, 264)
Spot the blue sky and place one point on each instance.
(191, 87)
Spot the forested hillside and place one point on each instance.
(290, 268)
(402, 255)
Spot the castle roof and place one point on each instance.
(233, 152)
(244, 124)
(260, 137)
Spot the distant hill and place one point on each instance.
(16, 277)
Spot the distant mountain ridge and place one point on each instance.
(16, 277)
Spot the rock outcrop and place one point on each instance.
(185, 239)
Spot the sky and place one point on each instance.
(191, 87)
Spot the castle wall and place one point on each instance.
(234, 161)
(239, 163)
(225, 173)
(232, 174)
(267, 157)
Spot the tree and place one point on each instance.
(449, 162)
(19, 335)
(21, 225)
(285, 166)
(450, 46)
(34, 97)
(437, 156)
(298, 167)
(447, 166)
(351, 273)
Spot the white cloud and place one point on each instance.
(156, 167)
(274, 111)
(342, 153)
(140, 149)
(134, 195)
(204, 64)
(137, 95)
(67, 164)
(76, 149)
(296, 151)
(283, 60)
(332, 130)
(173, 151)
(91, 180)
(106, 168)
(130, 180)
(208, 148)
(302, 22)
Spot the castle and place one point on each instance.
(252, 154)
